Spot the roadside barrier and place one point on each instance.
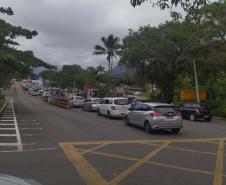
(62, 103)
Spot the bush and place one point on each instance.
(2, 101)
(220, 110)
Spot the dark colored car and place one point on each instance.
(195, 111)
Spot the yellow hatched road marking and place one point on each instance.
(219, 163)
(94, 148)
(85, 169)
(132, 168)
(146, 141)
(92, 177)
(154, 163)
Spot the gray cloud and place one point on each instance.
(69, 29)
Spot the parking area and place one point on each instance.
(144, 162)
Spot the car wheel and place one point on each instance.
(90, 109)
(83, 108)
(109, 115)
(126, 119)
(192, 117)
(98, 112)
(147, 127)
(175, 130)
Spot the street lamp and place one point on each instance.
(196, 82)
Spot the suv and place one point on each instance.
(113, 107)
(154, 116)
(194, 111)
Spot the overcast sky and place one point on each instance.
(69, 29)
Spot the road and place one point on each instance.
(56, 146)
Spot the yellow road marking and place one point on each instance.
(219, 163)
(183, 149)
(128, 171)
(93, 149)
(92, 177)
(155, 163)
(85, 169)
(146, 141)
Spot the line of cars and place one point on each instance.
(151, 116)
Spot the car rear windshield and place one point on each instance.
(164, 109)
(121, 102)
(79, 98)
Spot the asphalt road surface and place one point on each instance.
(56, 146)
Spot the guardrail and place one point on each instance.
(62, 103)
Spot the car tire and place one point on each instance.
(147, 127)
(126, 119)
(83, 108)
(175, 130)
(90, 109)
(192, 117)
(109, 115)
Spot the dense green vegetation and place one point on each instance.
(2, 101)
(15, 63)
(164, 55)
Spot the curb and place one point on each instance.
(3, 107)
(220, 118)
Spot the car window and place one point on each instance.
(121, 101)
(110, 101)
(106, 101)
(137, 107)
(145, 107)
(164, 109)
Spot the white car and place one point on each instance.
(114, 107)
(77, 101)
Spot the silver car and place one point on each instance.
(91, 104)
(154, 116)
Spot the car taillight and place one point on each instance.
(178, 114)
(155, 114)
(112, 107)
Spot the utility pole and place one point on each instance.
(196, 82)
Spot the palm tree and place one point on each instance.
(111, 47)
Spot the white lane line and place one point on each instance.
(7, 128)
(31, 135)
(8, 144)
(29, 150)
(8, 135)
(20, 147)
(29, 123)
(7, 120)
(31, 128)
(7, 124)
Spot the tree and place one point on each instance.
(13, 62)
(153, 52)
(111, 48)
(188, 6)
